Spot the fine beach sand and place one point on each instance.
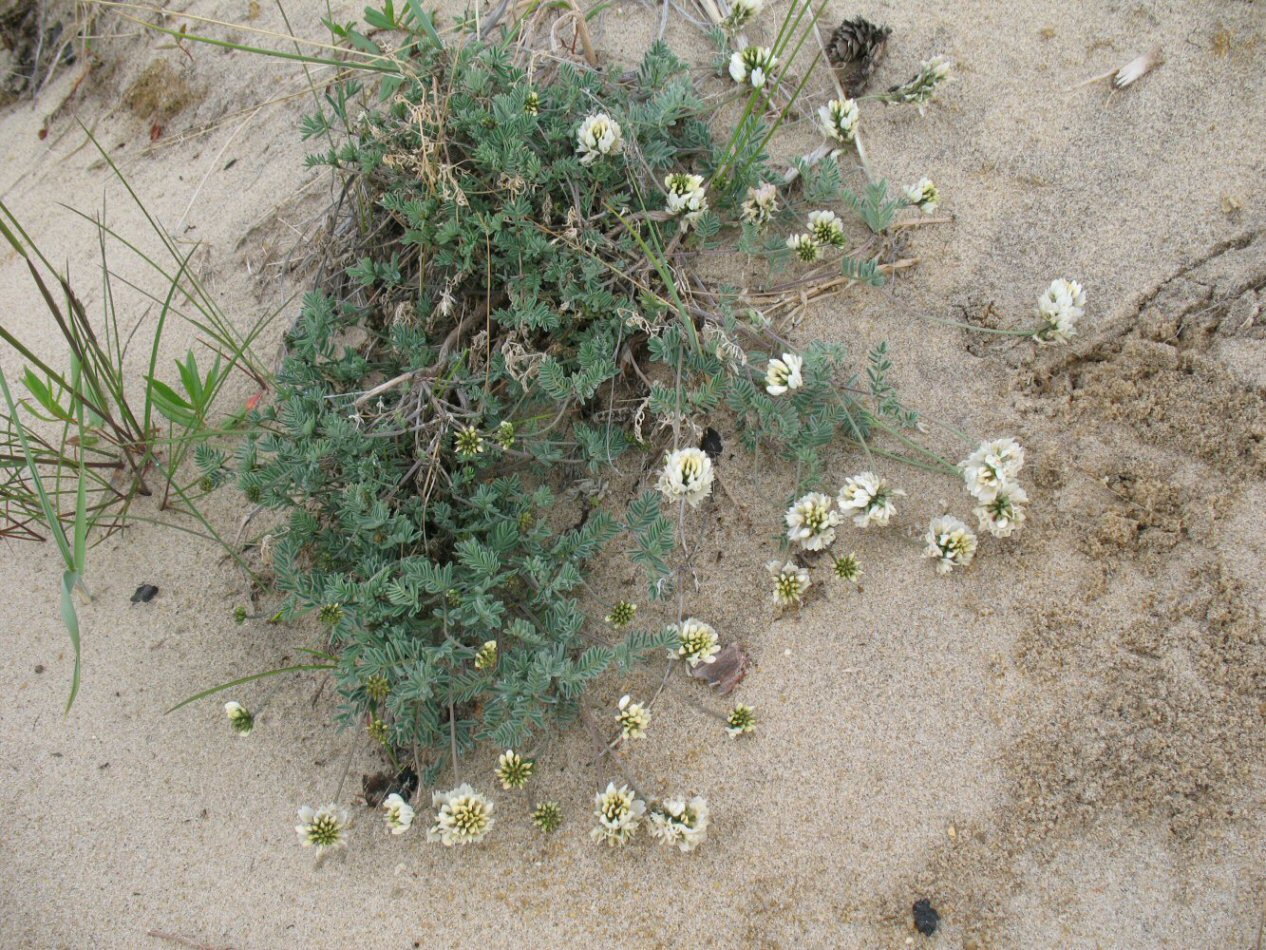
(1062, 746)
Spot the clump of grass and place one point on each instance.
(80, 449)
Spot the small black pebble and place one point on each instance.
(712, 443)
(926, 919)
(39, 667)
(144, 594)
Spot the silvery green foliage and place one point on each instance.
(508, 284)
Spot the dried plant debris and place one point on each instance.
(855, 50)
(1137, 68)
(1131, 72)
(711, 443)
(726, 671)
(376, 787)
(34, 40)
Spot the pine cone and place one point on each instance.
(856, 48)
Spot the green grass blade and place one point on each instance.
(298, 668)
(50, 513)
(70, 579)
(424, 21)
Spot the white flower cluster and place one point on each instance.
(742, 12)
(697, 642)
(990, 474)
(598, 135)
(753, 65)
(950, 542)
(681, 823)
(633, 718)
(687, 196)
(740, 721)
(790, 582)
(924, 195)
(687, 474)
(811, 521)
(761, 203)
(323, 828)
(240, 718)
(1059, 308)
(922, 87)
(804, 247)
(825, 229)
(784, 374)
(619, 812)
(463, 817)
(397, 814)
(869, 499)
(839, 120)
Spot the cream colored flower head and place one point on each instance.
(619, 812)
(839, 120)
(761, 203)
(633, 718)
(686, 195)
(1059, 308)
(742, 12)
(827, 228)
(621, 615)
(870, 498)
(1003, 515)
(513, 771)
(847, 567)
(741, 720)
(950, 543)
(469, 442)
(939, 68)
(697, 642)
(547, 816)
(681, 823)
(992, 467)
(811, 521)
(486, 655)
(924, 195)
(323, 828)
(463, 816)
(753, 65)
(240, 718)
(687, 474)
(784, 374)
(790, 582)
(397, 813)
(598, 135)
(804, 247)
(922, 88)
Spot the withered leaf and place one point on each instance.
(711, 443)
(726, 671)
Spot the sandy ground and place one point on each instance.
(1061, 747)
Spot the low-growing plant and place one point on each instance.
(526, 311)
